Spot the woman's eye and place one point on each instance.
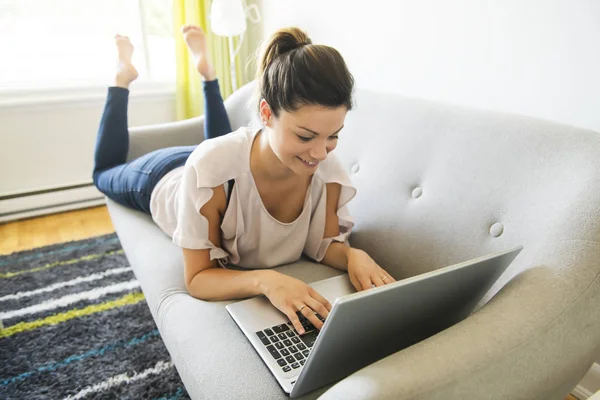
(306, 139)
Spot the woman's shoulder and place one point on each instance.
(218, 160)
(332, 170)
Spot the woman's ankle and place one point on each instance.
(122, 85)
(208, 75)
(118, 89)
(212, 82)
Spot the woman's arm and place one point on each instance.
(204, 279)
(363, 271)
(207, 282)
(336, 255)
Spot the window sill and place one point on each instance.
(80, 95)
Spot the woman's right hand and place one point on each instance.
(290, 295)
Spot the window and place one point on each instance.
(69, 43)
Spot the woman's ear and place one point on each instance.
(265, 112)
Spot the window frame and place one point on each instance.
(34, 96)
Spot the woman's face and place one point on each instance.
(302, 139)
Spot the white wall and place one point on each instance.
(48, 143)
(532, 57)
(51, 143)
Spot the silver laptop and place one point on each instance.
(365, 326)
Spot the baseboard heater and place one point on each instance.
(48, 201)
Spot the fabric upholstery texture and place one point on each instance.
(437, 184)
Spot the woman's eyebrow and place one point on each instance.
(316, 134)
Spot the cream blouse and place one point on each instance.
(251, 237)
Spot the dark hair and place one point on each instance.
(293, 72)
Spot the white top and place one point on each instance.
(251, 237)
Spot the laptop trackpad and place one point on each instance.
(332, 288)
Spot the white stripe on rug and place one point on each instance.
(121, 379)
(72, 282)
(71, 298)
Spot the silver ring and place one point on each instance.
(300, 309)
(384, 278)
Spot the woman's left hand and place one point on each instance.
(364, 272)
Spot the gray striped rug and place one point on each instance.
(76, 325)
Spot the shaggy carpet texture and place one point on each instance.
(75, 325)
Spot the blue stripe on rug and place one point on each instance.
(177, 395)
(51, 367)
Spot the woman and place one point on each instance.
(254, 198)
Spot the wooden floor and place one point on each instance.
(57, 228)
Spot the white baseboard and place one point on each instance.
(589, 385)
(16, 207)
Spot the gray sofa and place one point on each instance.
(437, 184)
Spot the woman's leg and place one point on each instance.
(112, 142)
(131, 184)
(216, 122)
(128, 183)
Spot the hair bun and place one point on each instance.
(288, 39)
(281, 42)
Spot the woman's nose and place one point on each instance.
(319, 152)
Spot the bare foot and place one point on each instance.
(126, 72)
(196, 43)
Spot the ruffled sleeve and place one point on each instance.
(191, 231)
(331, 171)
(212, 164)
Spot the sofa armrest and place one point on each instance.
(535, 339)
(145, 139)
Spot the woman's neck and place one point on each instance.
(265, 164)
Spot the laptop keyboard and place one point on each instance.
(286, 346)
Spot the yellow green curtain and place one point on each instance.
(189, 100)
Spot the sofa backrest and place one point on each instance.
(242, 107)
(439, 184)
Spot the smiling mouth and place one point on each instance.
(308, 163)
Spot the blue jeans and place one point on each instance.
(131, 183)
